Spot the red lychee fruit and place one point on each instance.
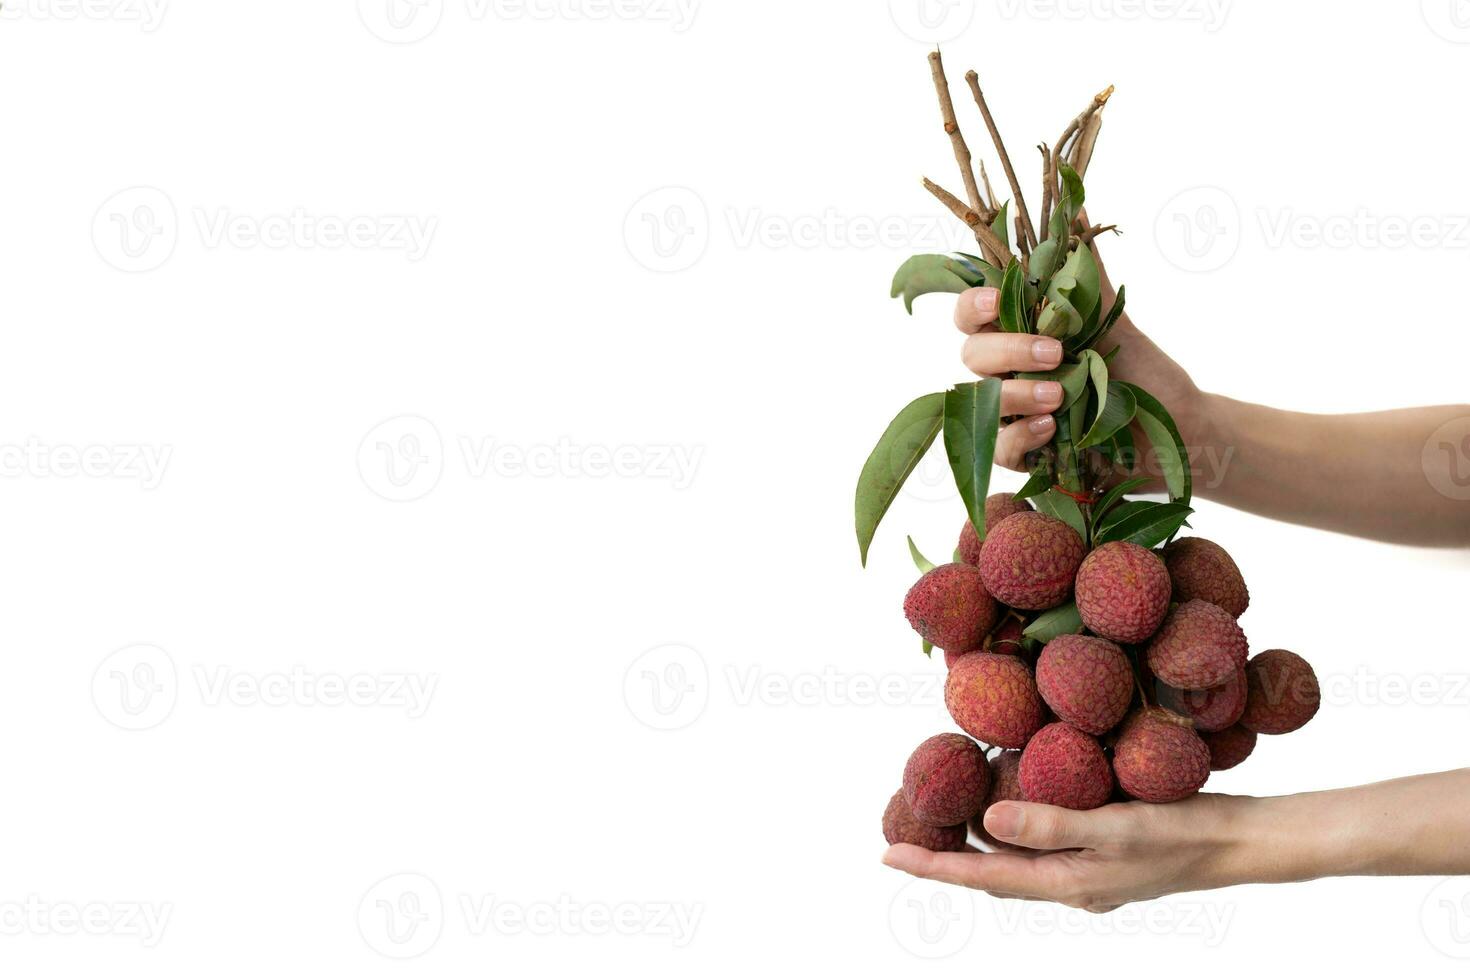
(1064, 766)
(1283, 693)
(993, 697)
(900, 826)
(998, 506)
(1006, 637)
(1229, 748)
(1159, 758)
(1122, 592)
(945, 780)
(1214, 709)
(1201, 569)
(1200, 645)
(1086, 681)
(1028, 561)
(950, 607)
(1005, 784)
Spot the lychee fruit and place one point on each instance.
(1230, 747)
(1028, 561)
(1065, 766)
(1283, 693)
(998, 506)
(945, 780)
(1122, 592)
(1086, 681)
(1199, 645)
(1214, 709)
(900, 826)
(1159, 758)
(1201, 569)
(950, 607)
(1006, 637)
(1005, 784)
(993, 698)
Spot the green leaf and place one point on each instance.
(971, 420)
(1056, 504)
(993, 276)
(1001, 226)
(1054, 623)
(1121, 511)
(928, 648)
(1124, 454)
(1013, 300)
(1040, 482)
(1115, 411)
(899, 450)
(1072, 296)
(1106, 502)
(1072, 378)
(1149, 525)
(920, 562)
(923, 274)
(1046, 258)
(1168, 444)
(1073, 194)
(1095, 336)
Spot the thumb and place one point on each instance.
(1047, 828)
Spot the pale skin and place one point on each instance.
(1366, 475)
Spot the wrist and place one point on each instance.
(1300, 838)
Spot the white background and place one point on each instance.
(554, 318)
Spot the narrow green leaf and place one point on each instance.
(1056, 504)
(971, 420)
(1107, 501)
(1095, 336)
(920, 562)
(1046, 259)
(898, 451)
(1116, 411)
(1150, 525)
(1013, 300)
(1040, 481)
(1168, 444)
(1054, 623)
(1002, 225)
(923, 274)
(928, 649)
(1073, 194)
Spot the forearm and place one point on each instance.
(1419, 825)
(1374, 475)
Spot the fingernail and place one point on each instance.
(1004, 820)
(1048, 393)
(987, 301)
(1040, 424)
(1047, 350)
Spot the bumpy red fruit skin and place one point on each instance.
(950, 607)
(993, 698)
(1214, 709)
(945, 780)
(1201, 569)
(998, 506)
(1029, 560)
(1282, 695)
(1122, 592)
(900, 826)
(1200, 645)
(1159, 758)
(1229, 748)
(1064, 766)
(1086, 681)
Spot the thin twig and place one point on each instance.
(1000, 147)
(1087, 235)
(1023, 242)
(1081, 154)
(996, 252)
(989, 191)
(961, 151)
(1046, 187)
(1054, 161)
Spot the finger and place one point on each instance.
(992, 353)
(975, 308)
(1051, 827)
(1019, 438)
(1009, 874)
(1029, 397)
